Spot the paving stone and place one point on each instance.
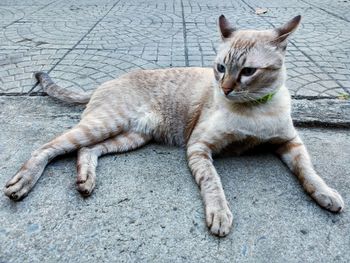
(17, 68)
(339, 8)
(70, 11)
(122, 35)
(318, 29)
(86, 70)
(205, 17)
(146, 13)
(171, 33)
(13, 13)
(322, 38)
(274, 3)
(305, 78)
(26, 3)
(44, 34)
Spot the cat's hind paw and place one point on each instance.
(86, 181)
(19, 186)
(329, 199)
(219, 220)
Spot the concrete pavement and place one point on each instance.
(147, 208)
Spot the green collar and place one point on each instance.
(264, 99)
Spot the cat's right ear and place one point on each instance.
(226, 30)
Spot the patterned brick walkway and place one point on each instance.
(86, 42)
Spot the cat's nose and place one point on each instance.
(228, 85)
(226, 90)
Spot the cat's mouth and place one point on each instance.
(239, 97)
(249, 96)
(235, 95)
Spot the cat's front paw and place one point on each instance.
(329, 199)
(219, 220)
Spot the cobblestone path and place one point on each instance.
(84, 43)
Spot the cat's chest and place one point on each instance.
(260, 127)
(232, 127)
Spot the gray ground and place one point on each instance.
(146, 206)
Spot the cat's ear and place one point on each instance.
(226, 29)
(286, 30)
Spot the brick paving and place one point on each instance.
(84, 43)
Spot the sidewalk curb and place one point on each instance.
(331, 113)
(321, 113)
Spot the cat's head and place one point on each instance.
(250, 63)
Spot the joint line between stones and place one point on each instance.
(301, 51)
(326, 11)
(184, 34)
(40, 8)
(75, 45)
(325, 72)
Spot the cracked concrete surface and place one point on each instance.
(147, 208)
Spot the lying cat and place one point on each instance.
(243, 98)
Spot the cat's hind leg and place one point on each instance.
(87, 132)
(88, 157)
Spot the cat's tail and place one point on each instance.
(60, 93)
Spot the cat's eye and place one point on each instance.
(248, 71)
(221, 68)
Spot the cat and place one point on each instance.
(242, 99)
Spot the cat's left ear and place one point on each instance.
(285, 31)
(226, 30)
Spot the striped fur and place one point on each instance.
(296, 157)
(87, 157)
(188, 107)
(57, 92)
